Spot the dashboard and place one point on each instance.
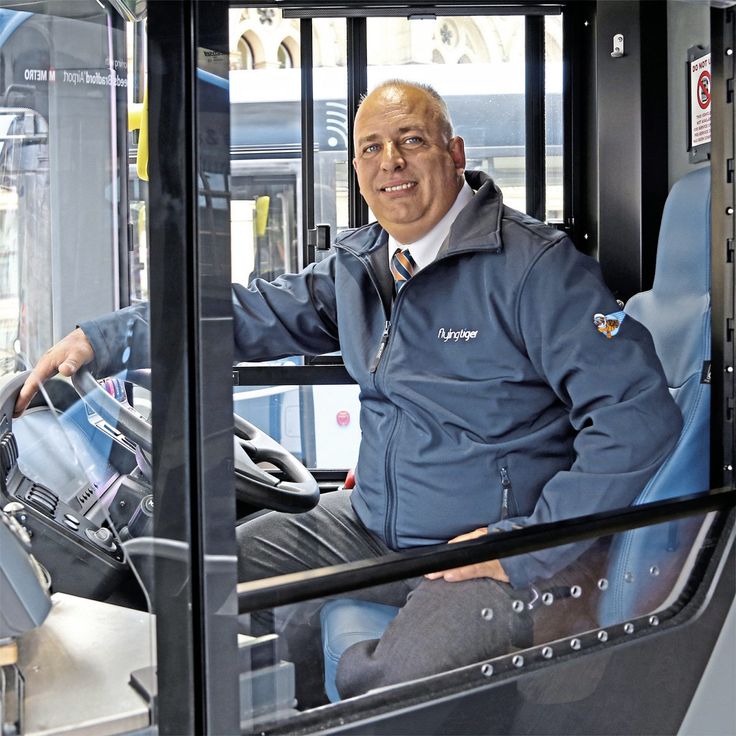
(78, 486)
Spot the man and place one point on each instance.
(490, 400)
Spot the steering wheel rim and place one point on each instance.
(297, 491)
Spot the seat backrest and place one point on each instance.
(644, 564)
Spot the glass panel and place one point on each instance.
(75, 475)
(553, 115)
(330, 124)
(485, 95)
(265, 96)
(469, 631)
(319, 425)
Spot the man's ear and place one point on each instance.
(355, 165)
(456, 147)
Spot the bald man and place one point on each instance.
(490, 400)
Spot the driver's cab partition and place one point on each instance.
(344, 603)
(561, 613)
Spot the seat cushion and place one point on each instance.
(345, 622)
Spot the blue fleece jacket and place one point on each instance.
(489, 395)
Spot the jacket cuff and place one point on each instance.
(515, 567)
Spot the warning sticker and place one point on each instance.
(700, 94)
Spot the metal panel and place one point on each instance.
(723, 204)
(535, 149)
(307, 110)
(632, 166)
(191, 348)
(357, 53)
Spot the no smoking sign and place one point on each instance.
(700, 96)
(704, 90)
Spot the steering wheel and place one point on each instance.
(295, 492)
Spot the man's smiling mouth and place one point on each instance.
(399, 187)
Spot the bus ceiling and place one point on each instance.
(131, 10)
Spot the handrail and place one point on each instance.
(294, 587)
(291, 375)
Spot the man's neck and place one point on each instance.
(424, 249)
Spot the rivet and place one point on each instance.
(518, 606)
(728, 467)
(654, 570)
(629, 577)
(548, 599)
(486, 670)
(603, 584)
(487, 614)
(576, 591)
(729, 52)
(629, 628)
(518, 660)
(729, 210)
(575, 644)
(602, 636)
(729, 369)
(547, 652)
(654, 620)
(586, 24)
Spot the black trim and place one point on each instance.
(357, 54)
(579, 125)
(535, 144)
(121, 155)
(307, 152)
(723, 263)
(191, 349)
(291, 375)
(393, 10)
(295, 587)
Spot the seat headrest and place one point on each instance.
(683, 248)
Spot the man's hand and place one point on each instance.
(488, 569)
(66, 357)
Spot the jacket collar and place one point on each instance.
(477, 227)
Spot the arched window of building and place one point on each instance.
(437, 57)
(285, 59)
(245, 51)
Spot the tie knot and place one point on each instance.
(402, 266)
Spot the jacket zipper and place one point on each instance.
(381, 346)
(389, 528)
(506, 491)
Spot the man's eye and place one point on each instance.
(370, 149)
(413, 140)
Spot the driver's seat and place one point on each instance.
(647, 565)
(642, 563)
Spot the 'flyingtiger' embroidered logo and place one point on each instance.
(456, 335)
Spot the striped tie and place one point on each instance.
(402, 267)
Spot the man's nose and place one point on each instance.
(391, 158)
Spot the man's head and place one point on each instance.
(409, 165)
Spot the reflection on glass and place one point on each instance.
(485, 95)
(318, 424)
(72, 478)
(265, 97)
(410, 629)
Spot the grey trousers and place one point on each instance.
(441, 625)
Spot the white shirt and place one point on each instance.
(424, 250)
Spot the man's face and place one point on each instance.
(409, 172)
